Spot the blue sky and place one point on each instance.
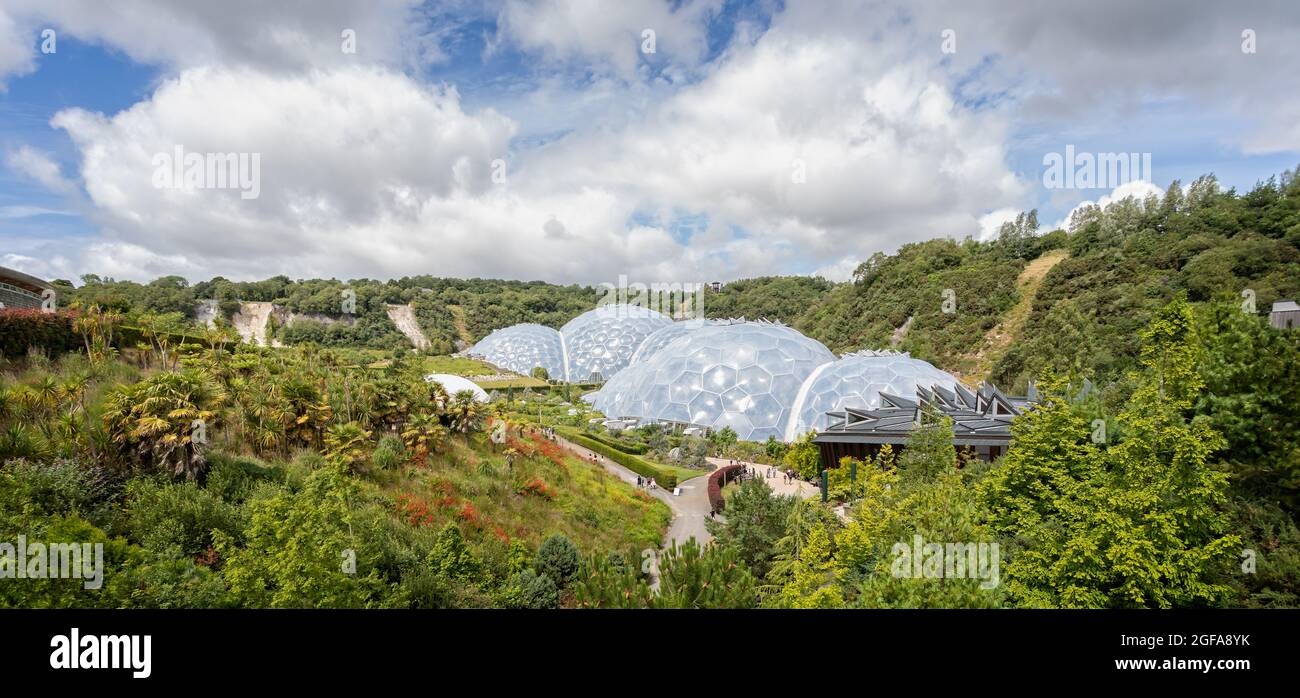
(670, 165)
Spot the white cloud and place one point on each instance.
(366, 172)
(17, 42)
(841, 270)
(281, 35)
(29, 211)
(41, 168)
(609, 36)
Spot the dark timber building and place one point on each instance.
(19, 290)
(981, 423)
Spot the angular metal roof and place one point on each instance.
(979, 417)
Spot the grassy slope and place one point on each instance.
(471, 485)
(683, 474)
(999, 339)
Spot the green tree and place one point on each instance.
(755, 520)
(300, 550)
(558, 558)
(1138, 524)
(712, 577)
(804, 457)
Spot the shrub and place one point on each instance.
(558, 559)
(451, 557)
(46, 489)
(24, 328)
(163, 514)
(233, 478)
(386, 458)
(527, 589)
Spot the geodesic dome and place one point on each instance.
(603, 340)
(521, 348)
(661, 337)
(455, 384)
(743, 375)
(856, 380)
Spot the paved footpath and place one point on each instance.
(690, 508)
(777, 482)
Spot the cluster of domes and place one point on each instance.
(738, 374)
(762, 379)
(596, 345)
(599, 343)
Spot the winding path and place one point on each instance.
(690, 508)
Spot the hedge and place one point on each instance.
(637, 465)
(21, 328)
(621, 444)
(128, 336)
(717, 479)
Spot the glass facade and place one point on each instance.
(856, 380)
(521, 348)
(455, 384)
(603, 340)
(743, 375)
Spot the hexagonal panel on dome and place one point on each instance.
(745, 375)
(603, 340)
(856, 380)
(521, 348)
(661, 337)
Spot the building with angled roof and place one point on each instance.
(981, 423)
(1285, 315)
(19, 290)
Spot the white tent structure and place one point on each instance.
(455, 384)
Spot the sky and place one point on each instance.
(584, 141)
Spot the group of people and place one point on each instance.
(747, 471)
(646, 482)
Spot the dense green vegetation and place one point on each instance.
(198, 462)
(1176, 507)
(238, 476)
(783, 298)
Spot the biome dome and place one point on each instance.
(455, 384)
(521, 348)
(602, 341)
(739, 374)
(856, 380)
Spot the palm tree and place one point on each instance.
(464, 412)
(155, 421)
(347, 445)
(424, 434)
(308, 412)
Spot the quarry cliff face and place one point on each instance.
(253, 320)
(404, 317)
